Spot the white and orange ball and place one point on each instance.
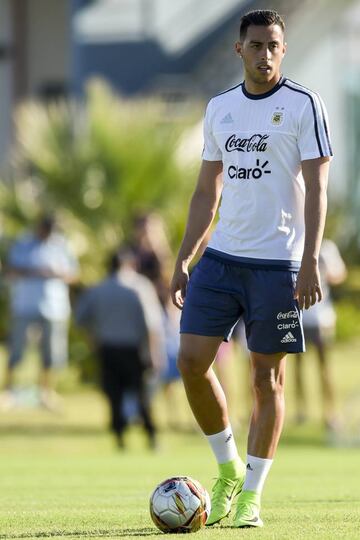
(179, 505)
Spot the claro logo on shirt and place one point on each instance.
(254, 173)
(255, 143)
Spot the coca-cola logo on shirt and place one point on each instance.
(255, 143)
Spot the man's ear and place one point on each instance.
(238, 48)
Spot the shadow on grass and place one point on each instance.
(113, 533)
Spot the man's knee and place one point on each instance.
(267, 385)
(196, 354)
(189, 364)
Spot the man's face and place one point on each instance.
(262, 52)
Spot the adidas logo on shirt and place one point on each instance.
(228, 119)
(288, 338)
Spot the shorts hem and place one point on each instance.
(301, 350)
(197, 333)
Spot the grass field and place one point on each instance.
(62, 477)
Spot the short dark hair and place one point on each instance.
(260, 17)
(125, 253)
(46, 223)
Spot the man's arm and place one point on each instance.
(44, 273)
(151, 312)
(19, 266)
(203, 208)
(308, 286)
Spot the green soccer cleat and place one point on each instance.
(248, 510)
(223, 494)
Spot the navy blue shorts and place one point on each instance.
(220, 292)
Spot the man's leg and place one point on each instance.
(114, 383)
(205, 395)
(268, 380)
(53, 348)
(18, 338)
(208, 403)
(16, 350)
(145, 412)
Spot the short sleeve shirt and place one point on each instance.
(33, 296)
(262, 140)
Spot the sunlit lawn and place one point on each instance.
(61, 476)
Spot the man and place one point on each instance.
(41, 267)
(123, 316)
(266, 153)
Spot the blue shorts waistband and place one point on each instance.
(249, 262)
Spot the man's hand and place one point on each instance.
(178, 286)
(308, 285)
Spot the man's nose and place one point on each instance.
(265, 53)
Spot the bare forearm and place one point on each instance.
(203, 208)
(308, 285)
(315, 172)
(201, 214)
(41, 273)
(315, 215)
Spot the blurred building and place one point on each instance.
(35, 55)
(180, 49)
(157, 45)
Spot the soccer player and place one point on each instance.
(266, 155)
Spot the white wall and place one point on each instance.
(317, 58)
(321, 75)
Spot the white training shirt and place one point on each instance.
(262, 140)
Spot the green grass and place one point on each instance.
(62, 477)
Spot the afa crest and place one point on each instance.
(277, 118)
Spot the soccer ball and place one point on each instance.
(179, 505)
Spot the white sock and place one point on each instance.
(256, 472)
(223, 445)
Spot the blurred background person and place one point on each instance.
(319, 328)
(152, 249)
(153, 259)
(170, 375)
(40, 268)
(123, 318)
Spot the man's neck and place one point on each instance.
(255, 88)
